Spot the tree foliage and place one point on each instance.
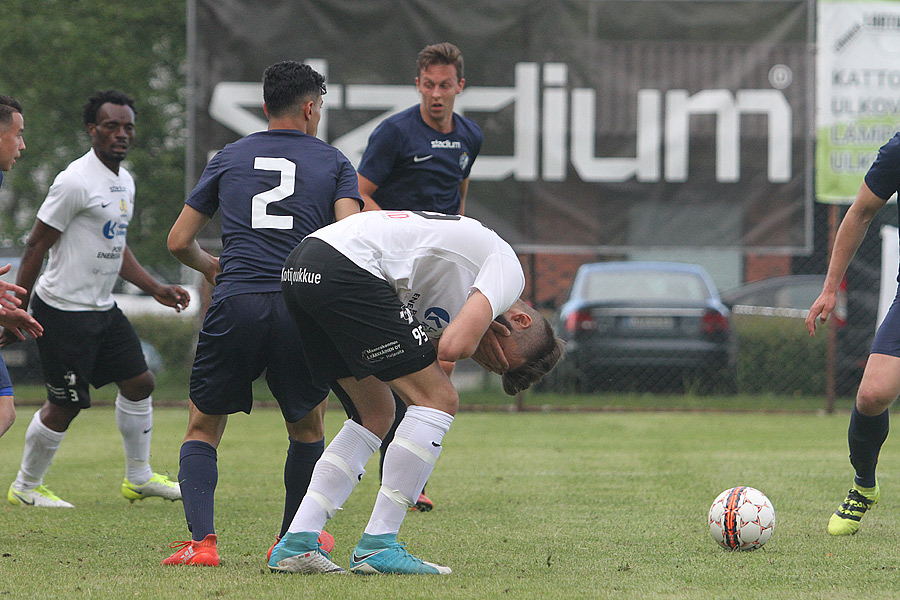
(56, 53)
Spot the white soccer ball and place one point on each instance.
(741, 518)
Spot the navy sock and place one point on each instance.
(298, 468)
(198, 475)
(866, 435)
(399, 412)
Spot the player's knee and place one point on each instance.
(7, 413)
(872, 400)
(307, 430)
(138, 388)
(446, 399)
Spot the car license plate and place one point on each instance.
(651, 322)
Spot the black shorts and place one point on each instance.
(242, 336)
(351, 322)
(85, 347)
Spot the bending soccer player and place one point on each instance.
(378, 298)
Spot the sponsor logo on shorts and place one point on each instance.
(302, 275)
(388, 350)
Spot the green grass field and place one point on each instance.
(529, 505)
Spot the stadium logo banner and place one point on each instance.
(608, 125)
(858, 92)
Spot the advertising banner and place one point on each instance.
(858, 92)
(608, 124)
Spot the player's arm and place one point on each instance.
(366, 189)
(183, 245)
(19, 322)
(463, 336)
(131, 270)
(345, 207)
(849, 236)
(463, 188)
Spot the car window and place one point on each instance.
(613, 286)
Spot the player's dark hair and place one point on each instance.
(93, 104)
(287, 85)
(440, 54)
(542, 350)
(8, 106)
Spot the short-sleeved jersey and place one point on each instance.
(419, 168)
(92, 207)
(271, 189)
(883, 177)
(433, 261)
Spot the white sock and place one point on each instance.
(337, 472)
(41, 444)
(135, 421)
(408, 463)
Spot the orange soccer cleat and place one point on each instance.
(195, 553)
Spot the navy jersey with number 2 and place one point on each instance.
(268, 201)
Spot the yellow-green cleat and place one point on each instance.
(40, 496)
(845, 520)
(159, 486)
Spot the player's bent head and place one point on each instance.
(288, 85)
(93, 104)
(8, 107)
(538, 351)
(440, 54)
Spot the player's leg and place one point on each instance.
(198, 475)
(67, 348)
(408, 464)
(7, 403)
(335, 476)
(869, 425)
(229, 357)
(120, 359)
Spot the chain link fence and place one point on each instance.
(772, 353)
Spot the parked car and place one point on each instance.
(645, 325)
(787, 296)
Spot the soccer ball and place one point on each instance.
(741, 518)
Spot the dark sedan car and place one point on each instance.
(656, 326)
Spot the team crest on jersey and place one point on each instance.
(123, 207)
(436, 318)
(464, 160)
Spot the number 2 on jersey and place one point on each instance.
(259, 216)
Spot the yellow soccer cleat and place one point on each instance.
(159, 486)
(845, 520)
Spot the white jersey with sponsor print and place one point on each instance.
(434, 261)
(92, 207)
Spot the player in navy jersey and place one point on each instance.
(420, 159)
(880, 383)
(12, 142)
(270, 189)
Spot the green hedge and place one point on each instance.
(173, 338)
(776, 355)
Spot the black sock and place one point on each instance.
(866, 435)
(298, 469)
(198, 475)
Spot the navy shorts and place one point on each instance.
(352, 323)
(6, 387)
(242, 336)
(85, 347)
(887, 338)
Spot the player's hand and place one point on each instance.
(175, 296)
(820, 310)
(489, 354)
(8, 292)
(16, 325)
